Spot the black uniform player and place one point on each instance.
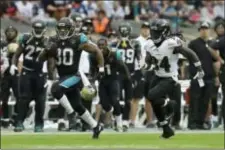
(109, 90)
(31, 80)
(8, 48)
(163, 52)
(65, 48)
(130, 51)
(220, 45)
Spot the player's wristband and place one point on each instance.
(101, 69)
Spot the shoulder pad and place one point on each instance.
(118, 55)
(174, 42)
(83, 38)
(24, 38)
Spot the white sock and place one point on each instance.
(119, 121)
(66, 104)
(125, 123)
(89, 119)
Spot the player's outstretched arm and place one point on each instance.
(188, 53)
(91, 48)
(51, 68)
(42, 56)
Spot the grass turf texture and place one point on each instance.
(191, 140)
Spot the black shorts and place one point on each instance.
(31, 85)
(148, 78)
(8, 82)
(109, 92)
(71, 86)
(138, 85)
(161, 88)
(126, 86)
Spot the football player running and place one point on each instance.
(8, 48)
(163, 50)
(64, 51)
(32, 79)
(130, 51)
(109, 90)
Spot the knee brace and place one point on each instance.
(57, 91)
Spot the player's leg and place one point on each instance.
(83, 112)
(203, 107)
(58, 90)
(148, 105)
(176, 96)
(39, 97)
(195, 94)
(138, 93)
(25, 96)
(14, 84)
(128, 90)
(114, 96)
(163, 108)
(104, 97)
(214, 107)
(222, 80)
(5, 92)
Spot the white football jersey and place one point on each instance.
(165, 61)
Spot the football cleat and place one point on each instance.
(97, 130)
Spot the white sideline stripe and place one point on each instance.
(113, 147)
(10, 133)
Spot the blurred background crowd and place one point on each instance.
(181, 13)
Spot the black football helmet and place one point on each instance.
(125, 30)
(39, 28)
(160, 29)
(11, 33)
(77, 22)
(64, 28)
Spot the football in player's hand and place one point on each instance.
(12, 47)
(88, 93)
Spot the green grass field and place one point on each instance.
(111, 140)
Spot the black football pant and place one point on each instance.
(126, 85)
(70, 86)
(199, 102)
(8, 82)
(176, 96)
(109, 94)
(31, 87)
(159, 90)
(222, 80)
(214, 100)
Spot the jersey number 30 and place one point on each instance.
(127, 55)
(65, 57)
